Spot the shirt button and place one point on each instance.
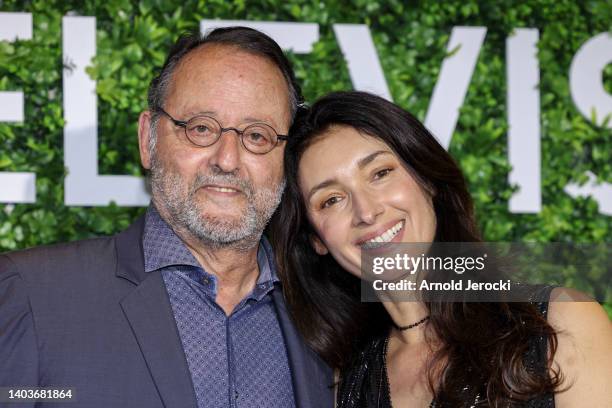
(204, 281)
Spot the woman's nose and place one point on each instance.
(366, 208)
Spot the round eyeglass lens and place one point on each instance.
(203, 130)
(259, 138)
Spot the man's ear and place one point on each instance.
(144, 134)
(318, 245)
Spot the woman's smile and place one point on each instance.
(376, 238)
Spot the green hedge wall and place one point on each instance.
(410, 37)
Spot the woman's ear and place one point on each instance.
(318, 245)
(433, 191)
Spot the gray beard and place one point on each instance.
(186, 213)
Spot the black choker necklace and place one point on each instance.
(411, 326)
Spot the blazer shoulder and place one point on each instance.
(60, 260)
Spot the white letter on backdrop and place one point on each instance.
(453, 81)
(83, 185)
(590, 96)
(586, 78)
(297, 37)
(523, 96)
(362, 59)
(17, 187)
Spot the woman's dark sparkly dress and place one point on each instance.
(365, 384)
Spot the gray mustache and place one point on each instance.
(226, 179)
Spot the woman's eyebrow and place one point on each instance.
(320, 186)
(361, 164)
(370, 157)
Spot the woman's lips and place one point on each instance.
(389, 232)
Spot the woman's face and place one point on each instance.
(357, 190)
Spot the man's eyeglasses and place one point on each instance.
(204, 131)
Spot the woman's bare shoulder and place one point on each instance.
(584, 352)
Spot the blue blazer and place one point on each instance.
(85, 315)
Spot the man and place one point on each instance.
(184, 308)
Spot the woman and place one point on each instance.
(360, 169)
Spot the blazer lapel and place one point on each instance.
(149, 313)
(312, 378)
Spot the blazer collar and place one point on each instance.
(149, 314)
(130, 255)
(312, 378)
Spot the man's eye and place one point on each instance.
(382, 173)
(201, 129)
(257, 138)
(330, 201)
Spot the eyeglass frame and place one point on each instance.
(183, 124)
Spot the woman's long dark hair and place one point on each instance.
(482, 343)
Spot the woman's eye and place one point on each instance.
(382, 173)
(330, 201)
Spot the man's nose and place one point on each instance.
(226, 152)
(366, 208)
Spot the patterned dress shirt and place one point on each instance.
(235, 361)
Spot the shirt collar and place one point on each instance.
(163, 248)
